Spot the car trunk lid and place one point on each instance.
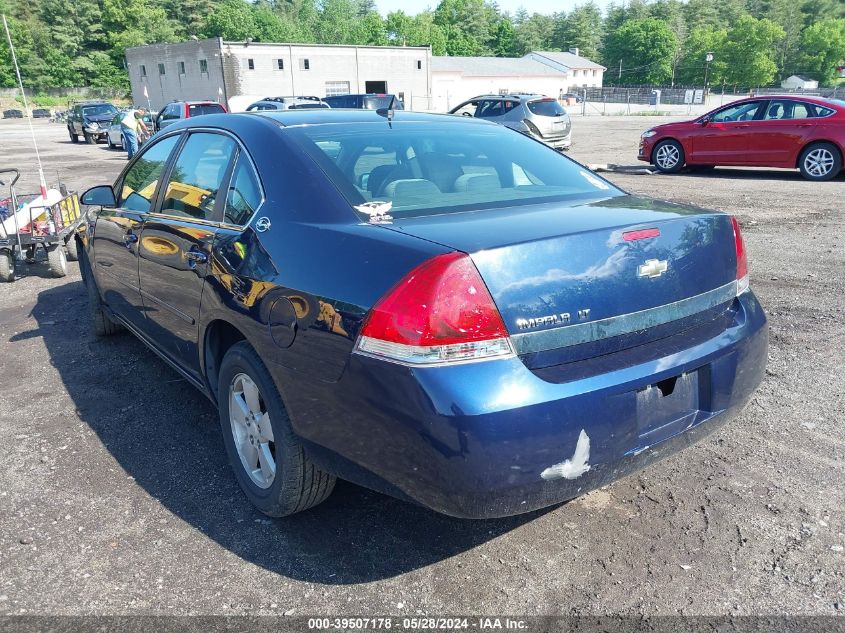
(603, 275)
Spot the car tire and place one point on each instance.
(71, 246)
(74, 138)
(57, 260)
(90, 138)
(108, 141)
(668, 157)
(122, 142)
(7, 267)
(101, 323)
(820, 162)
(267, 458)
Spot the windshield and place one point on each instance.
(96, 110)
(204, 108)
(433, 168)
(546, 107)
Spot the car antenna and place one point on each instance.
(389, 111)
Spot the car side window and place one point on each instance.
(782, 109)
(244, 195)
(490, 108)
(197, 176)
(140, 182)
(742, 112)
(467, 109)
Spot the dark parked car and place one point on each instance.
(807, 133)
(41, 113)
(538, 116)
(434, 307)
(12, 114)
(91, 120)
(287, 103)
(179, 110)
(365, 101)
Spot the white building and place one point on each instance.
(580, 71)
(238, 73)
(457, 79)
(797, 82)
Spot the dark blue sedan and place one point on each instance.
(435, 307)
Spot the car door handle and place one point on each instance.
(198, 257)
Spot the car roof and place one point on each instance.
(245, 121)
(290, 118)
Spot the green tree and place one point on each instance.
(701, 41)
(749, 52)
(534, 33)
(231, 20)
(468, 26)
(823, 46)
(581, 29)
(373, 29)
(646, 47)
(505, 39)
(271, 26)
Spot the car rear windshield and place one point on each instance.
(96, 110)
(424, 168)
(546, 107)
(199, 109)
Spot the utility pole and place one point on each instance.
(707, 59)
(620, 70)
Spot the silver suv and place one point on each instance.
(535, 115)
(287, 103)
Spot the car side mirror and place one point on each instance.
(102, 196)
(705, 121)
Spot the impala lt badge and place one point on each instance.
(652, 268)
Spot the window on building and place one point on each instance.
(337, 88)
(503, 91)
(594, 73)
(204, 66)
(419, 64)
(575, 73)
(161, 69)
(280, 64)
(249, 64)
(143, 70)
(304, 64)
(181, 68)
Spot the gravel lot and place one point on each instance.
(115, 495)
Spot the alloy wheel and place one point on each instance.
(667, 156)
(252, 431)
(819, 162)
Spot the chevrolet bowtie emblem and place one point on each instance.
(652, 268)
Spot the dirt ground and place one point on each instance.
(115, 494)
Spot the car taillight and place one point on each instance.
(742, 283)
(439, 312)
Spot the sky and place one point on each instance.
(412, 7)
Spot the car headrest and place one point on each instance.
(477, 182)
(410, 191)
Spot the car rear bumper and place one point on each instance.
(558, 142)
(493, 439)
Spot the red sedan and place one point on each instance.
(807, 133)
